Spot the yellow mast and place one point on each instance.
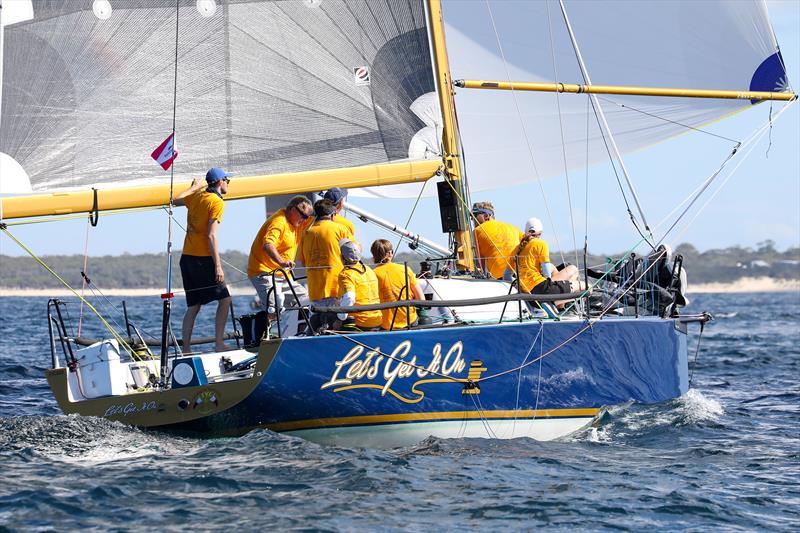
(620, 89)
(61, 203)
(452, 161)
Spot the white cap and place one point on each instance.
(534, 224)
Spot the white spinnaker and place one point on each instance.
(701, 44)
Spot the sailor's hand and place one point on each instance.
(287, 264)
(337, 325)
(219, 275)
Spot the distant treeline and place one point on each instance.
(149, 270)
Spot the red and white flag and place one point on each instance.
(166, 153)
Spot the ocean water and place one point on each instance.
(726, 456)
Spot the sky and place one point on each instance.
(760, 201)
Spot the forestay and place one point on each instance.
(699, 44)
(263, 87)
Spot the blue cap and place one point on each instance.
(482, 211)
(335, 195)
(216, 174)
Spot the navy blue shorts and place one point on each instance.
(199, 280)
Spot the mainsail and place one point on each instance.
(263, 87)
(699, 44)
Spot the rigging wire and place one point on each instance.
(172, 167)
(586, 203)
(745, 148)
(563, 142)
(42, 220)
(687, 126)
(411, 215)
(751, 144)
(39, 260)
(85, 269)
(601, 121)
(524, 129)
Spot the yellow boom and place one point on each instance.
(60, 203)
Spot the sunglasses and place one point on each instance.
(226, 180)
(303, 216)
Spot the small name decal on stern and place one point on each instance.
(388, 374)
(131, 408)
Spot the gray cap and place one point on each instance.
(351, 251)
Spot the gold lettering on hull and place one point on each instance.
(362, 364)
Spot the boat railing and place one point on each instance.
(61, 331)
(503, 298)
(302, 310)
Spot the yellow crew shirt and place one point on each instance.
(279, 232)
(320, 253)
(392, 287)
(309, 221)
(346, 223)
(496, 242)
(531, 257)
(201, 208)
(361, 280)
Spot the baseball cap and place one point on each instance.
(335, 194)
(216, 174)
(351, 251)
(534, 224)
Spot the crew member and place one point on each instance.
(275, 247)
(201, 267)
(537, 275)
(319, 252)
(357, 286)
(495, 242)
(395, 282)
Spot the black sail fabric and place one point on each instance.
(263, 86)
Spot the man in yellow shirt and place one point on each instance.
(393, 282)
(357, 286)
(337, 196)
(275, 246)
(495, 241)
(537, 275)
(201, 267)
(319, 253)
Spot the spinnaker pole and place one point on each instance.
(451, 155)
(580, 88)
(414, 240)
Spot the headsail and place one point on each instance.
(264, 87)
(701, 44)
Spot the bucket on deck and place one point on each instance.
(253, 328)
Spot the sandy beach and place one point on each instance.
(743, 285)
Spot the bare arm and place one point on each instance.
(212, 245)
(416, 290)
(193, 188)
(272, 252)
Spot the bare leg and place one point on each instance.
(188, 326)
(570, 274)
(223, 307)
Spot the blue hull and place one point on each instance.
(334, 382)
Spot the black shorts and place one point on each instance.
(549, 286)
(199, 280)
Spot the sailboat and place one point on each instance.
(304, 95)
